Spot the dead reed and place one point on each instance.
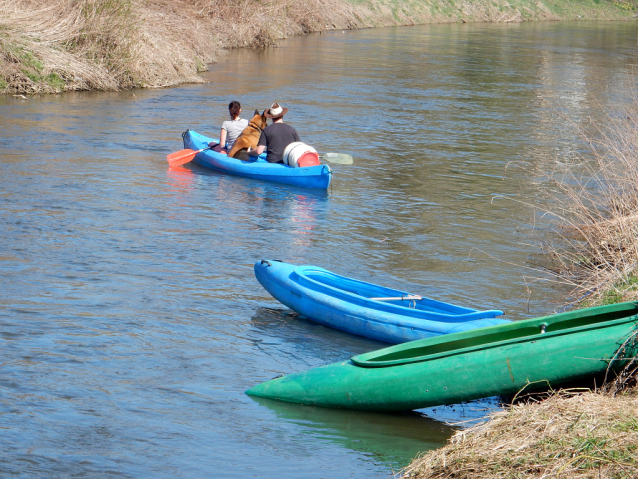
(568, 435)
(253, 23)
(572, 434)
(47, 46)
(594, 209)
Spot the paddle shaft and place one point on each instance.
(408, 298)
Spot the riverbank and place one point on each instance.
(566, 434)
(575, 435)
(51, 47)
(569, 433)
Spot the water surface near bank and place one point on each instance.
(130, 318)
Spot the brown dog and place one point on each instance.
(249, 137)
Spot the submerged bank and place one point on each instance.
(51, 47)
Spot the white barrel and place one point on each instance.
(294, 151)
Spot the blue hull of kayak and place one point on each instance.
(355, 306)
(308, 177)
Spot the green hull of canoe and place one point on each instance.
(459, 367)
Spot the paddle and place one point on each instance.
(409, 297)
(182, 157)
(341, 158)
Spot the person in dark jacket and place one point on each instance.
(276, 136)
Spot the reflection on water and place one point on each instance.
(130, 319)
(301, 338)
(392, 439)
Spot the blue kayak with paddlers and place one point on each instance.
(316, 176)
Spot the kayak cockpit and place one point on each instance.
(544, 327)
(359, 291)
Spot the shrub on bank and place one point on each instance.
(593, 200)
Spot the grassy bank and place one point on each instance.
(566, 434)
(592, 434)
(49, 46)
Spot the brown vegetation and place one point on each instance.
(247, 23)
(100, 45)
(116, 44)
(52, 46)
(568, 434)
(593, 203)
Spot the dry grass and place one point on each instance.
(98, 45)
(566, 434)
(66, 43)
(626, 380)
(50, 46)
(593, 205)
(253, 23)
(53, 46)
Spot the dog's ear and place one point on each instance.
(256, 112)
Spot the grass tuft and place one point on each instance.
(569, 434)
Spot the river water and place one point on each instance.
(130, 320)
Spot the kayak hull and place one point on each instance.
(551, 350)
(347, 304)
(318, 176)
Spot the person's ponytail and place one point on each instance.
(234, 107)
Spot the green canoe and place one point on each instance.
(458, 367)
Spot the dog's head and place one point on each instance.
(258, 120)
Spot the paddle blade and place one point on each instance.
(340, 158)
(180, 158)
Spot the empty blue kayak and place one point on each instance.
(318, 176)
(366, 309)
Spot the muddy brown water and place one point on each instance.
(130, 320)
